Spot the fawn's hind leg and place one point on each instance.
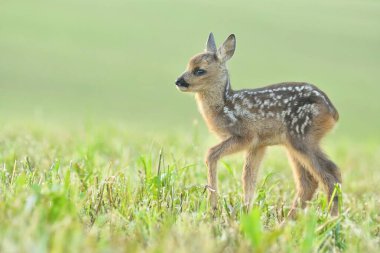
(331, 178)
(306, 184)
(226, 147)
(320, 167)
(253, 159)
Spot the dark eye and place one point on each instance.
(199, 72)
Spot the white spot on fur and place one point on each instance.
(294, 120)
(314, 110)
(297, 129)
(247, 103)
(305, 123)
(299, 88)
(286, 112)
(230, 114)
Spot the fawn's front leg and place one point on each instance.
(252, 162)
(229, 146)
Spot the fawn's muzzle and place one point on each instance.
(180, 82)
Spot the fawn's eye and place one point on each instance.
(199, 72)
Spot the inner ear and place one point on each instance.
(227, 50)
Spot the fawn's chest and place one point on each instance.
(216, 117)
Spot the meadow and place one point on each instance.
(100, 153)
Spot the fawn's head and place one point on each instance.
(207, 70)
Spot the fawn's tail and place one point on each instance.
(332, 109)
(335, 113)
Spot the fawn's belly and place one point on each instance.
(267, 132)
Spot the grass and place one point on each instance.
(106, 189)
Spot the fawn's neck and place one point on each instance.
(213, 100)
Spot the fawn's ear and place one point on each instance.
(226, 51)
(210, 45)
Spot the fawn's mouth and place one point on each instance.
(182, 84)
(182, 87)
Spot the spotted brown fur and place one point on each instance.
(293, 114)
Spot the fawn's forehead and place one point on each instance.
(202, 60)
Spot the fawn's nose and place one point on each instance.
(181, 82)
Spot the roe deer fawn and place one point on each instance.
(294, 114)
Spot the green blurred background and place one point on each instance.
(69, 61)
